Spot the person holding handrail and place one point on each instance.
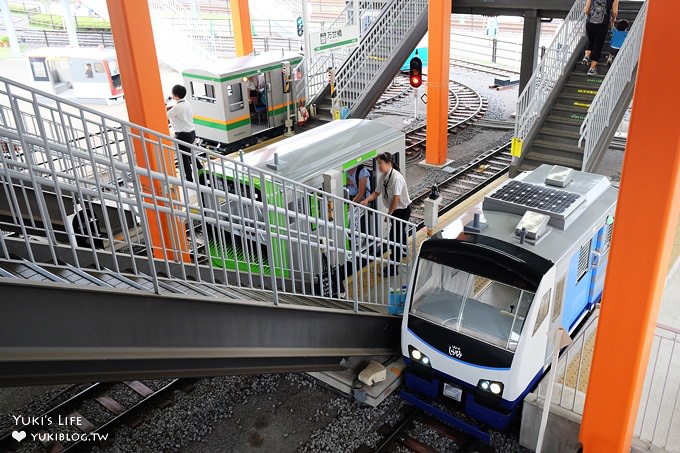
(394, 191)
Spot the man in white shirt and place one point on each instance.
(181, 120)
(392, 186)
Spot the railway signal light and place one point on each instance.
(300, 24)
(415, 72)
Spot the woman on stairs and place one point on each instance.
(600, 14)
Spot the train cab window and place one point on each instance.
(99, 67)
(113, 67)
(542, 311)
(479, 307)
(203, 92)
(235, 97)
(39, 69)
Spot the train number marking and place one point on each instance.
(454, 351)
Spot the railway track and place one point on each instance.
(464, 181)
(400, 436)
(91, 415)
(397, 90)
(466, 105)
(489, 69)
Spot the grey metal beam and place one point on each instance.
(54, 333)
(531, 36)
(545, 8)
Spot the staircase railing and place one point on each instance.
(317, 78)
(178, 31)
(72, 191)
(553, 65)
(623, 69)
(388, 33)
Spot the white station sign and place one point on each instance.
(333, 39)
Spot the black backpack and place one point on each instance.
(599, 11)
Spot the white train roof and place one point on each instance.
(566, 223)
(311, 153)
(233, 68)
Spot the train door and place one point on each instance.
(600, 260)
(258, 102)
(113, 76)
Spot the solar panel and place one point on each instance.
(517, 197)
(543, 198)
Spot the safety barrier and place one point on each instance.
(659, 413)
(551, 68)
(659, 410)
(74, 192)
(620, 74)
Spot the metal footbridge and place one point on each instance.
(113, 265)
(567, 117)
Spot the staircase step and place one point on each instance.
(552, 158)
(588, 96)
(568, 109)
(564, 121)
(550, 145)
(581, 89)
(559, 132)
(585, 80)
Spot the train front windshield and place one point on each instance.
(473, 305)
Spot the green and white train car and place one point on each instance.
(236, 101)
(318, 159)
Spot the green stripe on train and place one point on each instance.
(354, 162)
(221, 126)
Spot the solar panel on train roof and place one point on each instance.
(517, 197)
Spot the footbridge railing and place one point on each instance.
(602, 110)
(553, 65)
(85, 189)
(659, 410)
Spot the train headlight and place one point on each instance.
(418, 356)
(493, 387)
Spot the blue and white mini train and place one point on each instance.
(485, 296)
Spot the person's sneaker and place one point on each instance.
(592, 71)
(586, 61)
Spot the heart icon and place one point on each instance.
(19, 435)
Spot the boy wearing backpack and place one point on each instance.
(600, 14)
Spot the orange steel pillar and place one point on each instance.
(240, 22)
(137, 60)
(439, 48)
(646, 218)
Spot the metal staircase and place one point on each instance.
(560, 95)
(182, 39)
(390, 31)
(132, 271)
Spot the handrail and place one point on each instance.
(553, 65)
(604, 104)
(375, 49)
(660, 395)
(243, 224)
(317, 79)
